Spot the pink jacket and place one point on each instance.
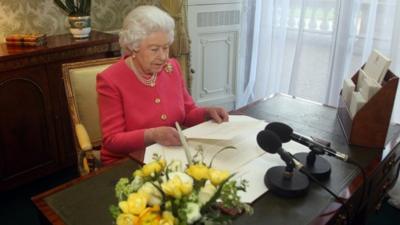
(128, 107)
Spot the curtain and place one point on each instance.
(262, 61)
(180, 49)
(306, 48)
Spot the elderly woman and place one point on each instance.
(143, 94)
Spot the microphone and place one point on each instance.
(286, 134)
(317, 166)
(282, 180)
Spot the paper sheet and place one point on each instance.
(238, 124)
(242, 137)
(254, 171)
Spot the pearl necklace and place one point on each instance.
(151, 82)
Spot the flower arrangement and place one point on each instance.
(166, 194)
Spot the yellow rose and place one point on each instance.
(126, 219)
(154, 209)
(151, 168)
(138, 173)
(171, 187)
(167, 218)
(123, 205)
(186, 188)
(176, 188)
(135, 204)
(198, 171)
(217, 176)
(150, 216)
(162, 163)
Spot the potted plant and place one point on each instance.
(78, 16)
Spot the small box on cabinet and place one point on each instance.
(369, 125)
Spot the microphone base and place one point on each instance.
(321, 169)
(294, 186)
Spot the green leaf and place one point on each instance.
(71, 5)
(163, 197)
(221, 150)
(115, 211)
(87, 7)
(62, 6)
(216, 194)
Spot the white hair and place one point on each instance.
(140, 23)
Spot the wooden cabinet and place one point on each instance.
(35, 132)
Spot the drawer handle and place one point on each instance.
(389, 166)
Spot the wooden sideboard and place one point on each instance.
(35, 132)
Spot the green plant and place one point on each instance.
(75, 7)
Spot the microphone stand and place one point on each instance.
(286, 181)
(319, 167)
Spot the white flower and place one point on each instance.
(153, 194)
(206, 193)
(192, 212)
(137, 183)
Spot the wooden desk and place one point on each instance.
(317, 207)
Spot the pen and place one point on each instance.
(184, 144)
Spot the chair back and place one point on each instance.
(80, 86)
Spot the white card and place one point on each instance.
(347, 91)
(377, 66)
(367, 87)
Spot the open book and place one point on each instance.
(248, 161)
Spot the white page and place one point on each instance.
(223, 131)
(246, 150)
(244, 141)
(254, 171)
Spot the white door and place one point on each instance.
(214, 28)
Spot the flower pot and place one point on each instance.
(79, 26)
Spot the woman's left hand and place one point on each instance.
(217, 114)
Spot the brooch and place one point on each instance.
(168, 68)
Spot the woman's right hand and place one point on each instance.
(167, 136)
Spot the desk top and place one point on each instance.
(313, 119)
(88, 200)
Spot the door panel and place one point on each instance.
(27, 139)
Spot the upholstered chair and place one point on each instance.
(80, 86)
